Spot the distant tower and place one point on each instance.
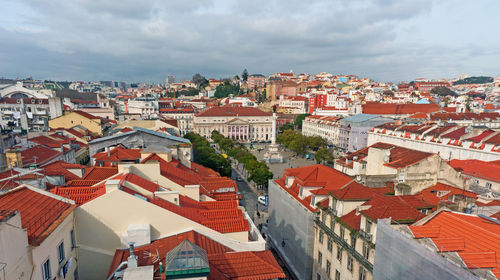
(170, 79)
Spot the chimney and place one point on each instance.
(108, 151)
(132, 259)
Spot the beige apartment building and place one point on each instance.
(245, 124)
(345, 231)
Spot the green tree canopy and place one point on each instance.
(244, 75)
(199, 80)
(300, 118)
(324, 155)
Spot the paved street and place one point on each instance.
(249, 200)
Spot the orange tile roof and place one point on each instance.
(80, 195)
(60, 168)
(399, 157)
(117, 154)
(40, 213)
(39, 154)
(211, 182)
(319, 176)
(227, 111)
(478, 168)
(394, 109)
(443, 192)
(224, 262)
(399, 209)
(99, 173)
(221, 216)
(480, 237)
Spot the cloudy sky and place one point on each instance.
(132, 40)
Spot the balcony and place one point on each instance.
(365, 235)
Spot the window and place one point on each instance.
(332, 222)
(321, 236)
(60, 252)
(46, 274)
(323, 216)
(72, 235)
(330, 244)
(366, 250)
(368, 226)
(353, 241)
(339, 253)
(328, 268)
(342, 232)
(488, 185)
(362, 273)
(349, 263)
(320, 258)
(337, 275)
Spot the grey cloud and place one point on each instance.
(146, 40)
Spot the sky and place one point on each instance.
(127, 40)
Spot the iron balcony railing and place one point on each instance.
(365, 235)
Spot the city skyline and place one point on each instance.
(128, 41)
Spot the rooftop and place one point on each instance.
(224, 263)
(478, 168)
(40, 212)
(475, 239)
(232, 111)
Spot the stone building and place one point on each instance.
(245, 124)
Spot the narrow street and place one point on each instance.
(249, 197)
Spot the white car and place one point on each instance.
(262, 199)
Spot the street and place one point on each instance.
(249, 197)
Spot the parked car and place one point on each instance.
(262, 199)
(239, 179)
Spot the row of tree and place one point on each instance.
(206, 156)
(301, 144)
(258, 170)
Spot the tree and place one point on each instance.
(443, 91)
(287, 126)
(316, 142)
(244, 75)
(474, 80)
(199, 80)
(224, 90)
(323, 155)
(300, 119)
(299, 144)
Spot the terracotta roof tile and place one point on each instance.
(232, 111)
(394, 109)
(100, 173)
(40, 213)
(38, 154)
(224, 263)
(481, 238)
(80, 195)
